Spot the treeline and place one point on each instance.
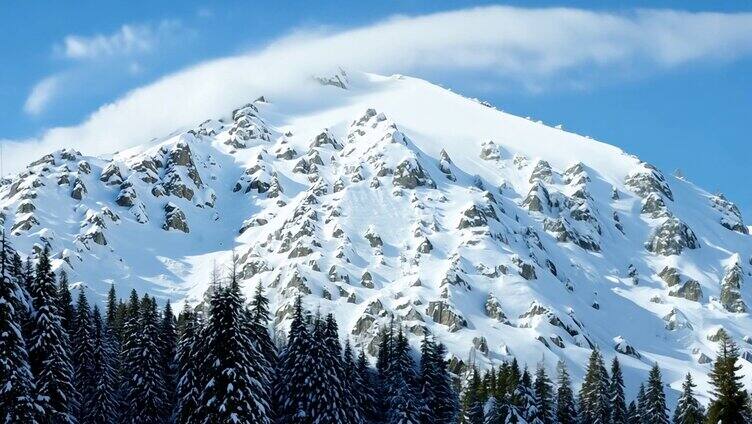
(64, 361)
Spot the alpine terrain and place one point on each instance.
(391, 200)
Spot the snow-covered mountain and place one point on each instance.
(389, 198)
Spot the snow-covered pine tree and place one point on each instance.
(595, 405)
(490, 409)
(128, 315)
(352, 380)
(327, 402)
(16, 381)
(104, 404)
(747, 413)
(616, 394)
(167, 346)
(501, 381)
(25, 305)
(525, 397)
(144, 393)
(729, 398)
(642, 405)
(365, 388)
(386, 343)
(49, 355)
(439, 397)
(491, 383)
(65, 304)
(428, 379)
(15, 264)
(504, 411)
(655, 398)
(113, 328)
(633, 416)
(544, 396)
(28, 274)
(383, 359)
(233, 389)
(566, 411)
(111, 311)
(294, 371)
(118, 318)
(513, 376)
(403, 403)
(688, 409)
(260, 318)
(330, 403)
(82, 344)
(188, 384)
(472, 403)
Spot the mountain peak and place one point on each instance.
(395, 200)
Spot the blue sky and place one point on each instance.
(63, 63)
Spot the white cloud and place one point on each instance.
(127, 40)
(41, 94)
(533, 47)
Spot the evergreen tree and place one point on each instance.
(504, 410)
(16, 381)
(729, 398)
(112, 342)
(442, 402)
(188, 373)
(566, 412)
(747, 413)
(616, 394)
(513, 377)
(233, 389)
(386, 337)
(642, 405)
(655, 398)
(128, 317)
(65, 304)
(403, 403)
(331, 403)
(524, 396)
(111, 312)
(472, 404)
(633, 416)
(260, 318)
(595, 405)
(353, 383)
(428, 380)
(259, 323)
(293, 382)
(386, 342)
(688, 409)
(168, 347)
(48, 348)
(364, 388)
(104, 404)
(143, 386)
(26, 306)
(544, 396)
(82, 344)
(28, 277)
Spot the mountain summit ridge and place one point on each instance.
(389, 199)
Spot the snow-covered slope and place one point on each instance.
(389, 198)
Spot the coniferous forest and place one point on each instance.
(63, 359)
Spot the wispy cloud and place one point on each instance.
(536, 48)
(120, 52)
(41, 94)
(127, 40)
